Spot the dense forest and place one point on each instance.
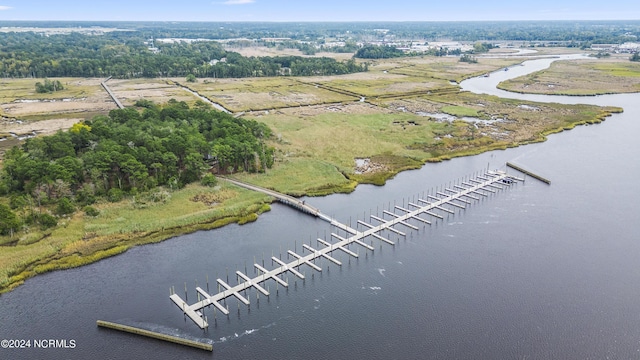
(125, 55)
(378, 52)
(128, 152)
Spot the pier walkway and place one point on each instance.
(115, 99)
(433, 207)
(283, 198)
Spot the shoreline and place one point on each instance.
(125, 241)
(504, 88)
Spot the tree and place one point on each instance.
(468, 59)
(635, 57)
(378, 52)
(9, 222)
(191, 78)
(48, 86)
(65, 207)
(480, 47)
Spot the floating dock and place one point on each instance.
(433, 207)
(155, 335)
(527, 172)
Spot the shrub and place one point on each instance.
(209, 180)
(47, 221)
(65, 207)
(115, 195)
(91, 211)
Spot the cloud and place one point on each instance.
(237, 2)
(2, 7)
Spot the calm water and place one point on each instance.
(533, 272)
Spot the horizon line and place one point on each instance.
(318, 21)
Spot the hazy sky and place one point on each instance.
(323, 10)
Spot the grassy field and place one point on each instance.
(299, 176)
(20, 89)
(580, 77)
(408, 76)
(450, 68)
(156, 90)
(19, 99)
(263, 93)
(81, 239)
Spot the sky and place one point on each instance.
(322, 10)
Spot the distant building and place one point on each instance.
(629, 47)
(216, 61)
(604, 47)
(151, 46)
(626, 48)
(275, 40)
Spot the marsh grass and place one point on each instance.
(460, 111)
(391, 85)
(315, 158)
(450, 68)
(25, 89)
(301, 176)
(580, 78)
(256, 94)
(82, 240)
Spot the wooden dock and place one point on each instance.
(527, 172)
(433, 208)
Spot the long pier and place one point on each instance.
(154, 335)
(115, 99)
(443, 201)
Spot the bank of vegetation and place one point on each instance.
(580, 78)
(140, 155)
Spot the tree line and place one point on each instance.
(123, 55)
(128, 152)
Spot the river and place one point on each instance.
(536, 271)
